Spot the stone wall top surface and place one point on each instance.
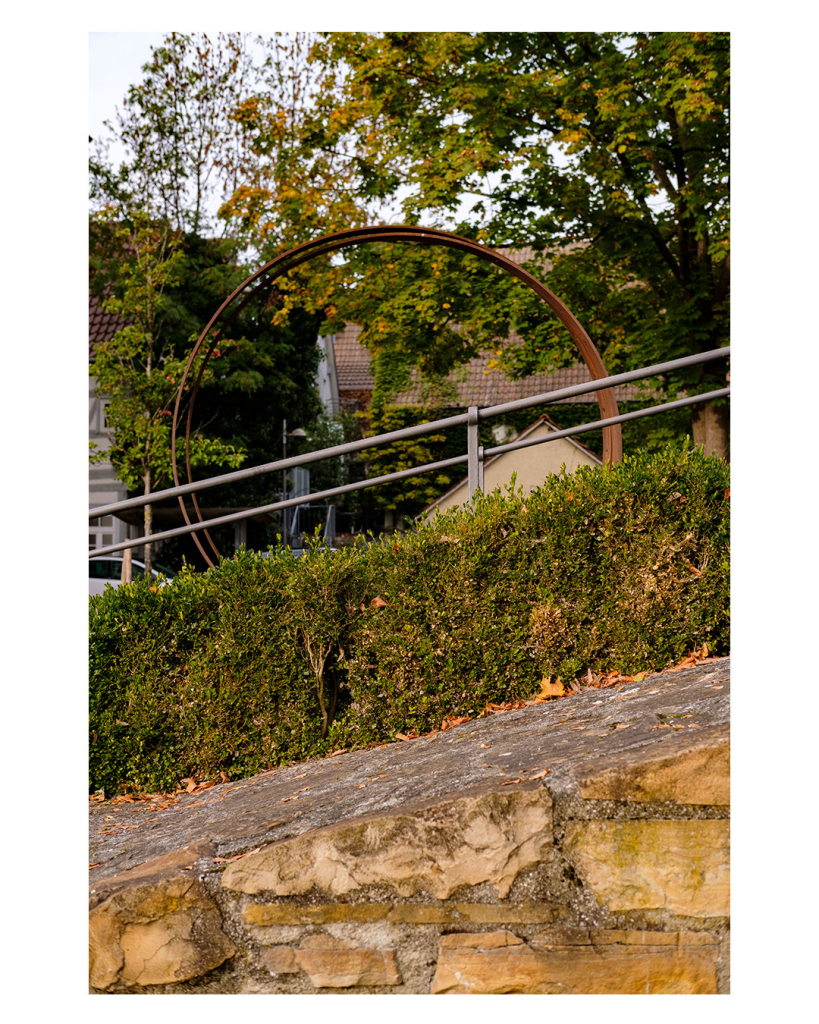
(663, 739)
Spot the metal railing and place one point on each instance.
(474, 458)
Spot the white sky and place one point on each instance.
(115, 62)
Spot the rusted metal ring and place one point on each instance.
(275, 268)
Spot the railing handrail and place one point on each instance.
(405, 473)
(544, 398)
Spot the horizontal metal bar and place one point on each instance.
(621, 378)
(406, 473)
(546, 398)
(289, 503)
(555, 435)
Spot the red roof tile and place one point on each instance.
(352, 361)
(477, 384)
(101, 325)
(473, 384)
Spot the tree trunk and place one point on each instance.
(710, 425)
(149, 522)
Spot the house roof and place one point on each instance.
(352, 361)
(101, 325)
(478, 384)
(473, 384)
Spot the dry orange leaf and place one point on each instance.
(451, 721)
(549, 689)
(378, 602)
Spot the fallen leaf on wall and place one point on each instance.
(451, 721)
(240, 856)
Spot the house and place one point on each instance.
(529, 466)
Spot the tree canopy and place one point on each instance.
(605, 155)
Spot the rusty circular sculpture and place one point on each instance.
(612, 443)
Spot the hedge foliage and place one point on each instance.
(266, 660)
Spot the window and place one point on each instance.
(100, 533)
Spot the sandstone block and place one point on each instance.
(695, 771)
(579, 963)
(265, 914)
(338, 963)
(680, 866)
(280, 960)
(434, 847)
(155, 934)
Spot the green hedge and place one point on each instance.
(263, 661)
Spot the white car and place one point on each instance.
(108, 569)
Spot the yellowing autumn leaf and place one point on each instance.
(550, 689)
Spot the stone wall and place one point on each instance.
(604, 870)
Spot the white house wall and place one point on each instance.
(103, 486)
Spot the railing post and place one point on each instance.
(474, 452)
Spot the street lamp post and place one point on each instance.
(298, 432)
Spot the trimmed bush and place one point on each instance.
(264, 661)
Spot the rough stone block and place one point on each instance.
(492, 913)
(280, 960)
(337, 963)
(679, 866)
(577, 963)
(265, 914)
(156, 934)
(695, 771)
(433, 847)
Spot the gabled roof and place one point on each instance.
(541, 421)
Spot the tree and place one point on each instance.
(138, 368)
(187, 153)
(606, 154)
